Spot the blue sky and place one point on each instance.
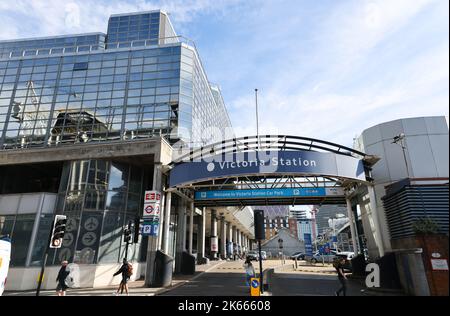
(325, 69)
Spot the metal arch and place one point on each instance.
(267, 142)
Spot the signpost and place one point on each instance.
(255, 287)
(308, 244)
(151, 213)
(5, 256)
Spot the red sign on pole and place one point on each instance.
(152, 197)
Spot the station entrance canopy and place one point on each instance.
(270, 170)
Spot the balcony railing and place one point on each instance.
(97, 47)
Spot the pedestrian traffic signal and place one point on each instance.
(59, 228)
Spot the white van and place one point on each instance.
(5, 257)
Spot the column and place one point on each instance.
(152, 240)
(191, 227)
(223, 237)
(213, 242)
(160, 227)
(201, 236)
(238, 241)
(230, 240)
(165, 239)
(352, 223)
(234, 240)
(181, 235)
(376, 220)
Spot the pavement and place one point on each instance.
(136, 288)
(227, 278)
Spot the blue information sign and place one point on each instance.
(150, 228)
(260, 193)
(308, 245)
(295, 162)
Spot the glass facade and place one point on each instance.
(99, 198)
(52, 45)
(138, 81)
(113, 93)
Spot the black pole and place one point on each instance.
(261, 287)
(126, 251)
(44, 261)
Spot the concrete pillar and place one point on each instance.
(238, 240)
(165, 239)
(376, 220)
(161, 220)
(352, 225)
(229, 239)
(233, 240)
(181, 235)
(201, 236)
(191, 228)
(152, 240)
(223, 238)
(213, 241)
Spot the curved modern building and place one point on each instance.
(410, 148)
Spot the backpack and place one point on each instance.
(130, 270)
(336, 264)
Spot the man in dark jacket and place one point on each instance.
(124, 270)
(339, 266)
(61, 279)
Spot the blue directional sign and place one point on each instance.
(262, 193)
(308, 244)
(150, 228)
(255, 284)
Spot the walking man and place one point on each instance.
(126, 271)
(61, 279)
(339, 266)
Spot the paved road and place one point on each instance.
(227, 279)
(303, 284)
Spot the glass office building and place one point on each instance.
(138, 81)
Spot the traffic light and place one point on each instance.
(127, 234)
(59, 227)
(259, 225)
(137, 222)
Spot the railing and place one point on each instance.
(102, 46)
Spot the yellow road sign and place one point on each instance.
(255, 287)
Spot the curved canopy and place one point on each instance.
(315, 168)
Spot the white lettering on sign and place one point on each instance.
(439, 264)
(152, 197)
(274, 161)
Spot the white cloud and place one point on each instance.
(55, 17)
(342, 80)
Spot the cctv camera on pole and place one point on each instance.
(260, 235)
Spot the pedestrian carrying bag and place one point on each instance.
(130, 270)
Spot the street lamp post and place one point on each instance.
(400, 140)
(257, 117)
